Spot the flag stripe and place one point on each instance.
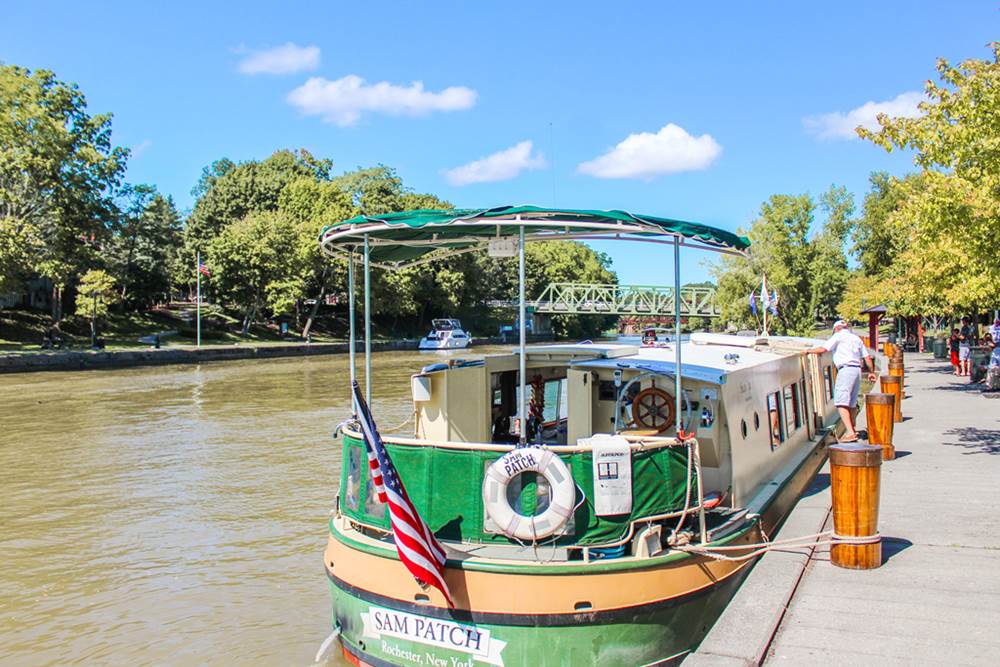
(416, 545)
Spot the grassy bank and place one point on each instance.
(24, 331)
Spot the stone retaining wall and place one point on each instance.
(85, 360)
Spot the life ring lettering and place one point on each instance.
(511, 522)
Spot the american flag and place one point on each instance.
(203, 269)
(420, 552)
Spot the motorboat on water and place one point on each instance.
(446, 334)
(592, 500)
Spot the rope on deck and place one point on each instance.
(789, 544)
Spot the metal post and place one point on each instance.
(522, 402)
(350, 318)
(677, 334)
(368, 328)
(197, 272)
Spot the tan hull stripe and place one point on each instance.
(520, 594)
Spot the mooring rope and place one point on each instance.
(789, 544)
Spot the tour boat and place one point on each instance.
(593, 500)
(446, 334)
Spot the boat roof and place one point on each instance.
(706, 357)
(412, 237)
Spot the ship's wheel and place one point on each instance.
(654, 409)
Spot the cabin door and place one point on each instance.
(580, 408)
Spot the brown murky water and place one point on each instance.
(175, 515)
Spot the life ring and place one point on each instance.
(653, 408)
(529, 459)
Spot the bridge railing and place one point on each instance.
(581, 298)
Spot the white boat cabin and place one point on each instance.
(752, 402)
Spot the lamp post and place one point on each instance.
(93, 323)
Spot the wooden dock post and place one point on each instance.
(880, 410)
(854, 483)
(892, 384)
(896, 369)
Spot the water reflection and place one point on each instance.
(175, 515)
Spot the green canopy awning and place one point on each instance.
(400, 239)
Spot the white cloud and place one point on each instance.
(500, 166)
(645, 155)
(344, 100)
(286, 59)
(841, 125)
(141, 147)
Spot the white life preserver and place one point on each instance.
(529, 459)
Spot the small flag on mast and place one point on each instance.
(753, 302)
(202, 269)
(417, 547)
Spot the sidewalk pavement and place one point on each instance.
(936, 598)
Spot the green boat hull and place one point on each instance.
(379, 631)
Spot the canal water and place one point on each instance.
(176, 514)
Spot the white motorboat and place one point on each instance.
(447, 334)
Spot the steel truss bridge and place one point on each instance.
(633, 300)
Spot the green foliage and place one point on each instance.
(58, 173)
(828, 271)
(95, 293)
(144, 249)
(254, 265)
(780, 248)
(948, 219)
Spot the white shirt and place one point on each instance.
(848, 349)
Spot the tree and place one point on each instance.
(254, 265)
(94, 294)
(58, 173)
(146, 242)
(949, 218)
(829, 264)
(780, 248)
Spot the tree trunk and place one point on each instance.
(315, 308)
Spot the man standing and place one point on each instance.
(849, 356)
(966, 339)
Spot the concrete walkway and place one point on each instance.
(936, 598)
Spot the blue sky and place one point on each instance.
(761, 94)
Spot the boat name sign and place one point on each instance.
(470, 639)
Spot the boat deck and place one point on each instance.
(936, 598)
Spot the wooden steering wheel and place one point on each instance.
(654, 409)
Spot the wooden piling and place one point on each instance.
(892, 384)
(888, 348)
(880, 410)
(854, 481)
(896, 368)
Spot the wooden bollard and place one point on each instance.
(889, 348)
(897, 369)
(880, 410)
(854, 482)
(892, 384)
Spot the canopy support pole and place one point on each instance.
(350, 322)
(522, 368)
(677, 335)
(368, 328)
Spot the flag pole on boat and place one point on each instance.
(350, 321)
(368, 329)
(522, 402)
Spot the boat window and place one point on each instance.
(555, 401)
(803, 403)
(756, 421)
(352, 492)
(828, 380)
(743, 428)
(373, 506)
(788, 396)
(793, 408)
(774, 415)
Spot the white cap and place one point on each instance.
(839, 324)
